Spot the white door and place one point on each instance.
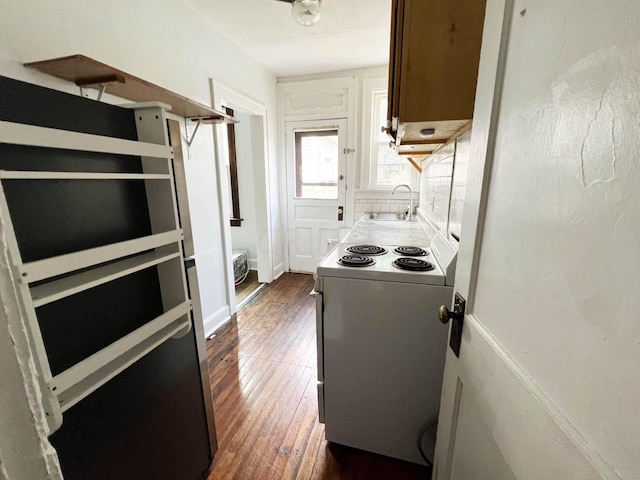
(547, 382)
(316, 186)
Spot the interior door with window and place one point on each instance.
(316, 187)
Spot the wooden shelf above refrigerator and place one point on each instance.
(89, 73)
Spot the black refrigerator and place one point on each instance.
(102, 270)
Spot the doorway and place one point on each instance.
(243, 144)
(245, 202)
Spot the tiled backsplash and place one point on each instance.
(380, 205)
(463, 146)
(435, 186)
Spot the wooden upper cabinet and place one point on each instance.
(433, 69)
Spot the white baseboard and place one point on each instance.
(216, 320)
(253, 264)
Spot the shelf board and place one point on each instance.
(64, 287)
(54, 266)
(84, 377)
(34, 136)
(416, 147)
(31, 175)
(87, 72)
(409, 140)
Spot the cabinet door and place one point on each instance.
(395, 57)
(440, 53)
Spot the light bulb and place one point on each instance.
(427, 132)
(306, 12)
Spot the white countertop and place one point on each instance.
(398, 232)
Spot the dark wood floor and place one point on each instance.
(263, 377)
(247, 287)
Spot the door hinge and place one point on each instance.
(348, 150)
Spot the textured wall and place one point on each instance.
(25, 453)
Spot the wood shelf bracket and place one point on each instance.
(415, 164)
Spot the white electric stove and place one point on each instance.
(389, 263)
(381, 347)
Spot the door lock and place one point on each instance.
(444, 314)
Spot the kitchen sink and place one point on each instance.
(385, 217)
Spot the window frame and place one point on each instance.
(236, 219)
(375, 89)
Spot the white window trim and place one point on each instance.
(373, 88)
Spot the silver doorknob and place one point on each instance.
(444, 314)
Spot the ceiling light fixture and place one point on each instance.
(306, 12)
(427, 132)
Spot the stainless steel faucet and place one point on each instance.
(410, 209)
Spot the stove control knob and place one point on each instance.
(444, 314)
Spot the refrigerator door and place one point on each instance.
(141, 416)
(148, 422)
(198, 323)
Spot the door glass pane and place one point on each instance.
(317, 164)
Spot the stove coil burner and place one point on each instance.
(411, 251)
(369, 250)
(356, 261)
(412, 264)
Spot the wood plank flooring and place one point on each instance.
(263, 380)
(247, 287)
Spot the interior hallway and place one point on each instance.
(263, 379)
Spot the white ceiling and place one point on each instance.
(350, 34)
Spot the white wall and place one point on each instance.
(164, 42)
(244, 236)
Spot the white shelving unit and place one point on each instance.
(52, 279)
